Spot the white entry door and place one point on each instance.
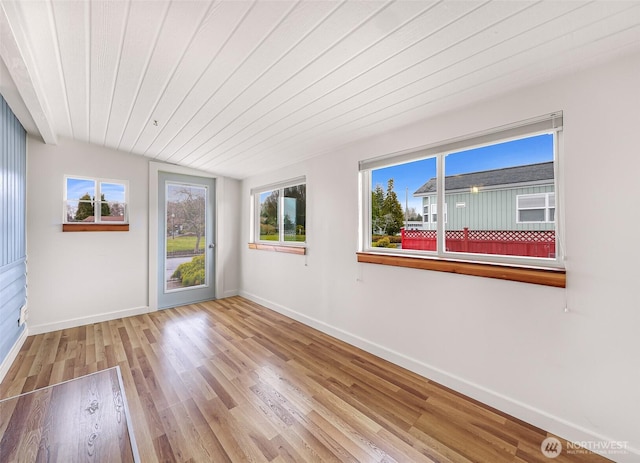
(185, 239)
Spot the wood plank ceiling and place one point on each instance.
(241, 87)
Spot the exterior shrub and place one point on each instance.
(386, 242)
(382, 243)
(392, 239)
(191, 273)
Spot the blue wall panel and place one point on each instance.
(13, 179)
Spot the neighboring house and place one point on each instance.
(511, 198)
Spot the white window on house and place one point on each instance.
(95, 201)
(280, 212)
(536, 208)
(483, 176)
(434, 213)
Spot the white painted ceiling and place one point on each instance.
(241, 87)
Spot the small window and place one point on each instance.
(280, 216)
(536, 208)
(95, 201)
(434, 213)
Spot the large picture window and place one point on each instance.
(280, 213)
(497, 192)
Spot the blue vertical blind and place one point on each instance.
(13, 177)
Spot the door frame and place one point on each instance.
(154, 204)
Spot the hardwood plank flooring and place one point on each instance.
(84, 419)
(230, 381)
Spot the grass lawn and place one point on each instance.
(182, 243)
(298, 238)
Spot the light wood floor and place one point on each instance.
(229, 380)
(34, 427)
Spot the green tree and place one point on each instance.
(269, 215)
(105, 210)
(377, 201)
(85, 208)
(392, 214)
(299, 192)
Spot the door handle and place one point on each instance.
(211, 246)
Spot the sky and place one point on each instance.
(411, 176)
(77, 187)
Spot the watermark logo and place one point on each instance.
(551, 447)
(612, 447)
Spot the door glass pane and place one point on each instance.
(185, 265)
(295, 213)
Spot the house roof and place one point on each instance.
(505, 176)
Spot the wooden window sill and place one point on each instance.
(539, 276)
(94, 227)
(301, 250)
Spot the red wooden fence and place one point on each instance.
(531, 243)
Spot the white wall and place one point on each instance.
(505, 343)
(73, 278)
(228, 239)
(77, 278)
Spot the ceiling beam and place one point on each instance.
(22, 75)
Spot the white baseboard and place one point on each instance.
(230, 293)
(13, 353)
(80, 321)
(553, 424)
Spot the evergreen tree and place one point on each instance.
(392, 211)
(387, 216)
(85, 208)
(105, 210)
(377, 201)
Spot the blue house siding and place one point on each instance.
(487, 210)
(13, 175)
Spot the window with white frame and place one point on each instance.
(95, 200)
(434, 213)
(489, 174)
(280, 212)
(430, 209)
(536, 208)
